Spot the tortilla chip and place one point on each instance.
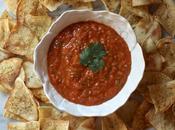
(4, 55)
(170, 71)
(163, 95)
(139, 122)
(21, 102)
(150, 78)
(148, 29)
(38, 24)
(166, 16)
(49, 124)
(34, 125)
(112, 5)
(22, 74)
(167, 50)
(113, 122)
(88, 124)
(6, 87)
(12, 5)
(79, 4)
(74, 122)
(154, 61)
(39, 94)
(51, 4)
(173, 109)
(29, 7)
(127, 9)
(22, 41)
(161, 121)
(127, 114)
(4, 31)
(49, 112)
(145, 2)
(31, 80)
(9, 69)
(10, 115)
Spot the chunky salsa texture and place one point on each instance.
(79, 83)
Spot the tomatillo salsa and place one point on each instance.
(88, 63)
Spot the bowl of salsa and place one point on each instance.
(89, 62)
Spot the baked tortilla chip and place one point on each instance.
(38, 24)
(6, 87)
(49, 112)
(4, 31)
(51, 4)
(113, 122)
(145, 2)
(163, 95)
(74, 122)
(166, 16)
(127, 114)
(31, 80)
(148, 32)
(167, 50)
(12, 5)
(10, 115)
(22, 74)
(88, 124)
(127, 9)
(21, 102)
(22, 41)
(139, 122)
(49, 124)
(161, 121)
(39, 94)
(9, 69)
(112, 5)
(4, 55)
(34, 125)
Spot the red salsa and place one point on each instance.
(78, 83)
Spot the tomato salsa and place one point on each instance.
(88, 63)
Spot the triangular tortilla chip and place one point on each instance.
(161, 121)
(31, 78)
(22, 41)
(9, 69)
(34, 125)
(5, 87)
(22, 74)
(127, 114)
(49, 124)
(166, 16)
(113, 122)
(38, 24)
(51, 4)
(21, 102)
(88, 124)
(139, 122)
(74, 122)
(4, 31)
(49, 112)
(112, 5)
(4, 55)
(145, 2)
(163, 95)
(12, 5)
(39, 94)
(10, 115)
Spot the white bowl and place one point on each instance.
(123, 28)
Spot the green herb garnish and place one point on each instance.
(91, 57)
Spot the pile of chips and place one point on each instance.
(152, 105)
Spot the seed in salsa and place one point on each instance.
(88, 63)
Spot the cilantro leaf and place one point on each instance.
(91, 57)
